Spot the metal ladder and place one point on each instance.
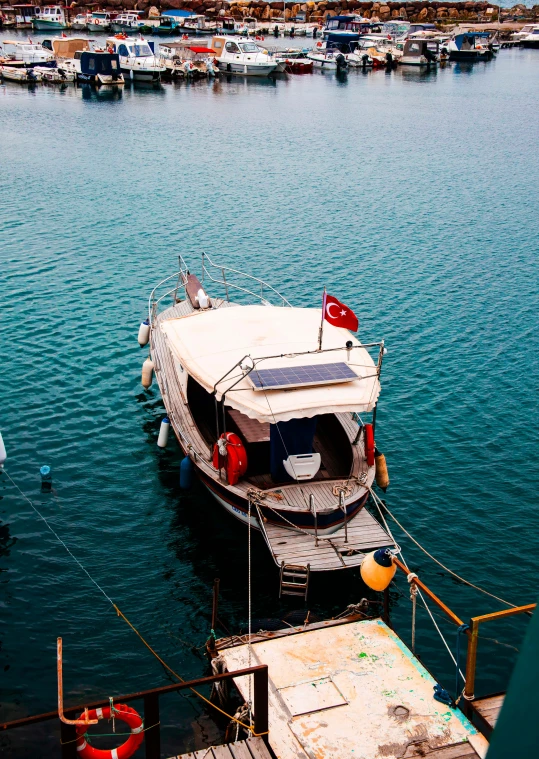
(294, 580)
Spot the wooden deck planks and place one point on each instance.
(489, 708)
(252, 748)
(292, 547)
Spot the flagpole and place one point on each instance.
(321, 330)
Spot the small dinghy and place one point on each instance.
(56, 75)
(17, 74)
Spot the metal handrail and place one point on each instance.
(227, 284)
(312, 508)
(181, 275)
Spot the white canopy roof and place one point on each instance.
(209, 343)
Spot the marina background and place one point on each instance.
(411, 195)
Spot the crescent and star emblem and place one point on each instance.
(328, 307)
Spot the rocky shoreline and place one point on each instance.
(262, 10)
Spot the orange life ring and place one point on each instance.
(318, 44)
(125, 714)
(235, 461)
(369, 444)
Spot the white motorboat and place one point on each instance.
(198, 25)
(242, 56)
(524, 32)
(420, 52)
(359, 59)
(531, 39)
(127, 23)
(80, 22)
(138, 62)
(29, 53)
(99, 21)
(327, 58)
(17, 74)
(185, 59)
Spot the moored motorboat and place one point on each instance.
(80, 22)
(531, 39)
(469, 46)
(327, 58)
(127, 23)
(137, 59)
(19, 74)
(264, 399)
(185, 59)
(56, 75)
(99, 21)
(51, 17)
(30, 53)
(237, 55)
(419, 52)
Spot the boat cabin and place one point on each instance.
(420, 51)
(25, 14)
(99, 66)
(68, 47)
(53, 14)
(398, 30)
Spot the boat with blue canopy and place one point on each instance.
(470, 46)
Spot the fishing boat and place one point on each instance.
(19, 74)
(229, 26)
(183, 59)
(198, 24)
(99, 21)
(51, 17)
(137, 59)
(327, 58)
(165, 26)
(30, 53)
(127, 23)
(419, 52)
(76, 56)
(242, 56)
(80, 22)
(265, 400)
(531, 39)
(469, 46)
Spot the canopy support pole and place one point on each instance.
(321, 330)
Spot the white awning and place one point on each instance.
(209, 343)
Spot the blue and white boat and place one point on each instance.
(137, 58)
(469, 46)
(51, 17)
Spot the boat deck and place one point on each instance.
(352, 689)
(252, 748)
(489, 708)
(292, 497)
(332, 552)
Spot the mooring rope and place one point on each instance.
(433, 558)
(249, 728)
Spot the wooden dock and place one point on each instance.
(252, 748)
(332, 552)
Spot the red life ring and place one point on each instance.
(369, 444)
(318, 44)
(235, 461)
(125, 714)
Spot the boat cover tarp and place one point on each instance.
(202, 50)
(66, 47)
(209, 343)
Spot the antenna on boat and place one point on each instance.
(321, 330)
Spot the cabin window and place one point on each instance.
(414, 48)
(231, 47)
(141, 50)
(114, 65)
(249, 47)
(91, 64)
(122, 50)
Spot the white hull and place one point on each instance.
(246, 69)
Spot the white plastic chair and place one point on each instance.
(302, 466)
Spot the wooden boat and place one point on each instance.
(18, 74)
(307, 467)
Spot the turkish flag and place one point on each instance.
(338, 314)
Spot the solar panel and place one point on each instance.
(301, 376)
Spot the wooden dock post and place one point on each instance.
(152, 736)
(260, 678)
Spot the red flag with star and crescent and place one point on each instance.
(338, 314)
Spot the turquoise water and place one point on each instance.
(412, 197)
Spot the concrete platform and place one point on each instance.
(353, 691)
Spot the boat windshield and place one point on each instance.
(249, 47)
(140, 51)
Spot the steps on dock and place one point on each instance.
(294, 580)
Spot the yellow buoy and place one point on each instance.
(378, 569)
(147, 373)
(381, 476)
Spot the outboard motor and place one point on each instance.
(315, 33)
(430, 56)
(365, 60)
(341, 61)
(275, 31)
(389, 60)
